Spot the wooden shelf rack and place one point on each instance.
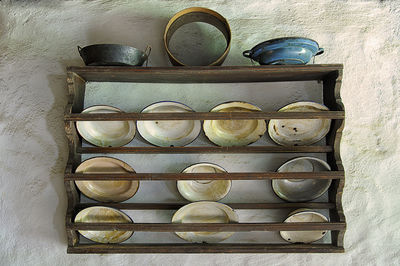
(329, 75)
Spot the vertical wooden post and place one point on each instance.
(76, 92)
(332, 99)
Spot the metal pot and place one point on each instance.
(113, 55)
(284, 51)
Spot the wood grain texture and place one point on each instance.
(205, 116)
(208, 149)
(209, 227)
(207, 176)
(235, 206)
(204, 248)
(207, 74)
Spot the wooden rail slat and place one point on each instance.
(236, 206)
(208, 149)
(206, 176)
(206, 74)
(205, 248)
(204, 116)
(209, 227)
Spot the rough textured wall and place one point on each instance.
(38, 40)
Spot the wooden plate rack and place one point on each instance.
(329, 75)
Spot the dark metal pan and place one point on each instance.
(113, 55)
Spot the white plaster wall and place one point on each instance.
(38, 40)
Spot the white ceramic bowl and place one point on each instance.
(106, 133)
(228, 133)
(197, 190)
(300, 190)
(166, 133)
(101, 214)
(205, 212)
(289, 132)
(304, 216)
(108, 190)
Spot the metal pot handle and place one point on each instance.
(320, 51)
(80, 50)
(247, 53)
(147, 52)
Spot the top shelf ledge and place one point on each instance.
(206, 74)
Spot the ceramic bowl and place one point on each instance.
(196, 190)
(205, 212)
(300, 190)
(167, 133)
(227, 133)
(106, 133)
(290, 132)
(100, 214)
(106, 191)
(304, 216)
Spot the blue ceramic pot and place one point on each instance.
(284, 51)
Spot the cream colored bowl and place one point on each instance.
(106, 133)
(300, 190)
(289, 132)
(166, 133)
(228, 133)
(205, 212)
(104, 215)
(304, 216)
(109, 190)
(196, 190)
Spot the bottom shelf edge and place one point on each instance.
(203, 248)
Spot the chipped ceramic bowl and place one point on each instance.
(290, 132)
(167, 133)
(205, 212)
(106, 133)
(304, 216)
(106, 191)
(197, 190)
(100, 214)
(300, 190)
(228, 133)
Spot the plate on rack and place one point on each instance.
(290, 132)
(197, 190)
(106, 133)
(168, 133)
(300, 190)
(101, 214)
(109, 190)
(304, 216)
(205, 212)
(228, 133)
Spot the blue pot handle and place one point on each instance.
(247, 53)
(320, 51)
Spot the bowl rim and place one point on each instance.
(108, 158)
(166, 101)
(114, 209)
(298, 103)
(206, 163)
(110, 108)
(274, 181)
(230, 102)
(225, 207)
(305, 211)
